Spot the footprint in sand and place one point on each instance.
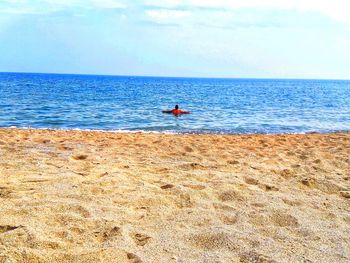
(167, 186)
(259, 220)
(141, 239)
(7, 228)
(79, 157)
(213, 241)
(80, 210)
(292, 202)
(195, 186)
(191, 166)
(63, 148)
(308, 181)
(290, 153)
(328, 187)
(183, 200)
(255, 257)
(229, 219)
(345, 194)
(188, 149)
(5, 192)
(133, 258)
(282, 219)
(250, 180)
(347, 219)
(268, 187)
(229, 195)
(317, 161)
(219, 206)
(233, 162)
(43, 141)
(18, 236)
(287, 173)
(108, 233)
(303, 157)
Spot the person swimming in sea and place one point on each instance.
(176, 111)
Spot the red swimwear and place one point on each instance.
(176, 112)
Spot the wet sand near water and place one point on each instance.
(74, 196)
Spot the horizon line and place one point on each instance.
(167, 76)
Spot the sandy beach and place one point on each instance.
(73, 196)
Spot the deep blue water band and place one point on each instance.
(135, 103)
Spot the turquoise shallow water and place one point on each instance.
(135, 103)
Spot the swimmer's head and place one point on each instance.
(176, 107)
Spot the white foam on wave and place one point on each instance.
(199, 132)
(93, 130)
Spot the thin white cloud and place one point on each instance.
(167, 14)
(335, 9)
(108, 4)
(49, 6)
(163, 3)
(20, 11)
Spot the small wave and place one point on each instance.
(194, 132)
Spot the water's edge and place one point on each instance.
(168, 132)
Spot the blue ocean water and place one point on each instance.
(135, 103)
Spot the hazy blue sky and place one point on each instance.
(216, 38)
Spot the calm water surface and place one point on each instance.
(135, 103)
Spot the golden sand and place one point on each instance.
(71, 196)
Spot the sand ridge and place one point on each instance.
(74, 196)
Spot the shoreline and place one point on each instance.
(167, 132)
(94, 196)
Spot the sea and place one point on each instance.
(132, 104)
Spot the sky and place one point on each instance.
(183, 38)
